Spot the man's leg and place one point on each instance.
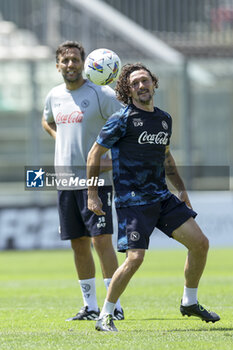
(107, 255)
(83, 258)
(117, 286)
(124, 273)
(85, 268)
(108, 261)
(191, 236)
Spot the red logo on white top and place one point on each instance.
(74, 117)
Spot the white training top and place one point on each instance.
(79, 116)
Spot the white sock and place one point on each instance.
(107, 282)
(89, 293)
(189, 296)
(108, 308)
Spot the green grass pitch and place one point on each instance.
(39, 290)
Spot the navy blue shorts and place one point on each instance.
(78, 221)
(136, 223)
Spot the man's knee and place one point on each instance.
(204, 243)
(135, 259)
(102, 242)
(81, 245)
(200, 244)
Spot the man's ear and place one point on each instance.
(58, 68)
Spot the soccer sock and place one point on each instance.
(108, 308)
(89, 293)
(107, 282)
(189, 296)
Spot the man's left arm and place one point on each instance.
(174, 177)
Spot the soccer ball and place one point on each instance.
(102, 66)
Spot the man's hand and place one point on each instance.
(95, 204)
(49, 127)
(183, 196)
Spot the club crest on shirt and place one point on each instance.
(85, 103)
(137, 122)
(164, 125)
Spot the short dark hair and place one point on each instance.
(67, 45)
(122, 87)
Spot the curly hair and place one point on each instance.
(67, 45)
(122, 86)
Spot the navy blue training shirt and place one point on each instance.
(138, 140)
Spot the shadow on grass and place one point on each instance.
(164, 331)
(219, 329)
(151, 319)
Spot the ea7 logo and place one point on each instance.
(101, 222)
(137, 122)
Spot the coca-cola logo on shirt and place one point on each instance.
(74, 117)
(159, 139)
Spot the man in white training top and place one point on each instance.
(74, 113)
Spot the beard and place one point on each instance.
(146, 100)
(74, 79)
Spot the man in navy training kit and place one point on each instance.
(74, 113)
(139, 137)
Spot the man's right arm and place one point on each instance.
(49, 127)
(93, 171)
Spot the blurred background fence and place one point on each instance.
(196, 89)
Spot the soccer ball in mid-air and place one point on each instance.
(102, 66)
